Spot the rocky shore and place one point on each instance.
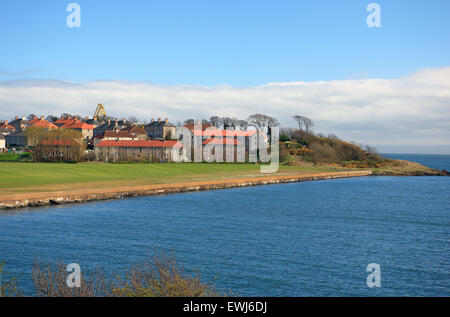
(81, 196)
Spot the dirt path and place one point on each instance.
(78, 196)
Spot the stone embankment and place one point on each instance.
(81, 196)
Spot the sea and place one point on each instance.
(320, 238)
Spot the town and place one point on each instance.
(72, 138)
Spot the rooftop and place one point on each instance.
(140, 143)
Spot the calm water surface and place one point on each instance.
(302, 239)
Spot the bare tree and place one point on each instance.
(257, 120)
(260, 121)
(133, 119)
(215, 121)
(243, 124)
(304, 122)
(51, 118)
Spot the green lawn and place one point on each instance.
(32, 177)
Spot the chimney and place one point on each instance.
(153, 119)
(117, 121)
(109, 121)
(159, 119)
(17, 117)
(86, 118)
(6, 122)
(95, 118)
(42, 117)
(167, 119)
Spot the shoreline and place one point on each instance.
(16, 201)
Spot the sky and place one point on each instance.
(387, 86)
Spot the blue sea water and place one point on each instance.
(300, 239)
(431, 160)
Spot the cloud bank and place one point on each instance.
(410, 110)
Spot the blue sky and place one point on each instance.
(387, 86)
(238, 43)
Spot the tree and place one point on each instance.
(229, 122)
(257, 120)
(56, 145)
(260, 121)
(133, 119)
(35, 135)
(215, 121)
(304, 122)
(243, 124)
(51, 118)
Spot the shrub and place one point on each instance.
(160, 276)
(8, 285)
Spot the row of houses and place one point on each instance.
(114, 140)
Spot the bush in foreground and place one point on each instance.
(160, 276)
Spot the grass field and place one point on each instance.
(41, 177)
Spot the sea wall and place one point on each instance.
(80, 196)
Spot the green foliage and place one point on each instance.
(284, 138)
(9, 157)
(332, 150)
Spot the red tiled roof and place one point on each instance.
(69, 122)
(225, 133)
(7, 126)
(79, 125)
(140, 143)
(63, 120)
(223, 141)
(43, 124)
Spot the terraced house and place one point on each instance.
(160, 130)
(136, 150)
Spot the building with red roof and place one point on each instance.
(222, 141)
(222, 149)
(111, 135)
(136, 150)
(6, 128)
(86, 130)
(42, 123)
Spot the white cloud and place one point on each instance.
(410, 110)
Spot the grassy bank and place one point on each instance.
(42, 177)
